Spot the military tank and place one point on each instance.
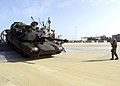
(32, 41)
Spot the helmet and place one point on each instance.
(34, 23)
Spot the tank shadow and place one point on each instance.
(41, 57)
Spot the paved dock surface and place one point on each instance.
(82, 65)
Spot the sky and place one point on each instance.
(72, 19)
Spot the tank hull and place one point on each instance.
(27, 49)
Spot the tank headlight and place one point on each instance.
(35, 49)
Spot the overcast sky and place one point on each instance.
(70, 18)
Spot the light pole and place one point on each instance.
(75, 33)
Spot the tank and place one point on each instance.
(32, 41)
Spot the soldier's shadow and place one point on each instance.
(98, 60)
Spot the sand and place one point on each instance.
(86, 65)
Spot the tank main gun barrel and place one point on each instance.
(63, 40)
(42, 39)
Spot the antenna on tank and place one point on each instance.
(40, 24)
(49, 21)
(32, 18)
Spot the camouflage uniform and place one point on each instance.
(113, 50)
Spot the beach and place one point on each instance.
(83, 64)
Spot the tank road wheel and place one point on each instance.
(15, 48)
(8, 42)
(3, 36)
(18, 50)
(24, 54)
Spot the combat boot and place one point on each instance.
(111, 59)
(116, 58)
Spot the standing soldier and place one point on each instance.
(113, 50)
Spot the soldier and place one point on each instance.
(113, 50)
(34, 24)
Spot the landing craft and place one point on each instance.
(32, 41)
